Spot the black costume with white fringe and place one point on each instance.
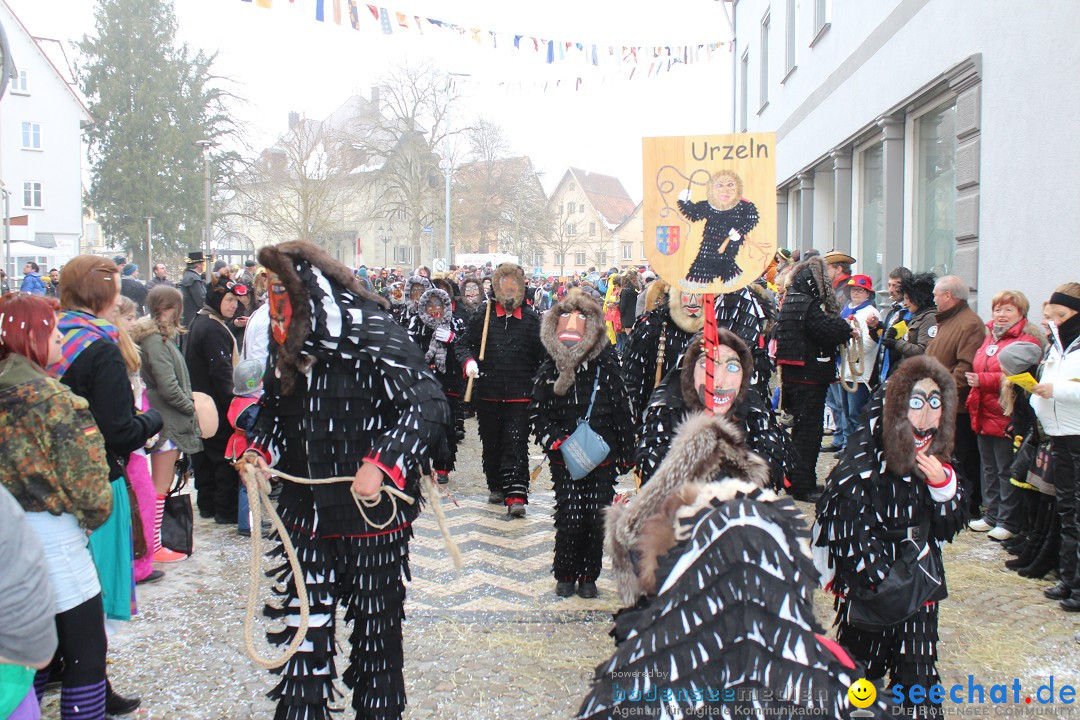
(347, 385)
(873, 496)
(676, 398)
(719, 582)
(748, 312)
(671, 324)
(555, 411)
(711, 263)
(502, 392)
(444, 363)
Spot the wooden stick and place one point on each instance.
(483, 347)
(487, 323)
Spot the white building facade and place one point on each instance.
(42, 119)
(935, 134)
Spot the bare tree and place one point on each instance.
(563, 236)
(402, 145)
(300, 188)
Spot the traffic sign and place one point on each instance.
(440, 265)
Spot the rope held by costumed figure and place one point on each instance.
(259, 488)
(852, 356)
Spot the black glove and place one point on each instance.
(889, 341)
(891, 333)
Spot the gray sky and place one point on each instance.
(281, 59)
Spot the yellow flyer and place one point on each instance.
(1024, 380)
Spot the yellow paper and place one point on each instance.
(901, 329)
(1024, 380)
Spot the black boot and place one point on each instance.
(1046, 560)
(587, 589)
(118, 704)
(564, 588)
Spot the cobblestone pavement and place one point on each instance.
(493, 641)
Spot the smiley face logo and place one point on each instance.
(862, 693)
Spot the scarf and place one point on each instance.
(848, 310)
(80, 331)
(1068, 331)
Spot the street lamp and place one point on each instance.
(449, 165)
(385, 237)
(206, 145)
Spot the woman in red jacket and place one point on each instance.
(990, 423)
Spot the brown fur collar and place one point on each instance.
(510, 303)
(895, 426)
(145, 327)
(811, 277)
(705, 448)
(693, 352)
(282, 260)
(594, 339)
(656, 294)
(684, 321)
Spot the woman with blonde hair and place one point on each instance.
(168, 388)
(92, 366)
(989, 421)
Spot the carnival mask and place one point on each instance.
(727, 379)
(571, 328)
(435, 309)
(415, 291)
(691, 303)
(924, 412)
(471, 293)
(510, 293)
(280, 308)
(397, 293)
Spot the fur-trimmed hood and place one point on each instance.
(509, 302)
(693, 352)
(472, 280)
(679, 316)
(411, 282)
(896, 430)
(145, 327)
(421, 308)
(287, 260)
(593, 340)
(705, 449)
(810, 277)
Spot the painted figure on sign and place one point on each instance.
(728, 218)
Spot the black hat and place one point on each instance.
(250, 263)
(195, 257)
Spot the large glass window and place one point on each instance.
(933, 242)
(870, 207)
(763, 51)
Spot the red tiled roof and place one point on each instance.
(607, 195)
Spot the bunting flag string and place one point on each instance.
(660, 58)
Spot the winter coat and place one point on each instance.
(1060, 414)
(193, 288)
(628, 307)
(210, 353)
(954, 338)
(100, 375)
(987, 417)
(32, 283)
(866, 344)
(136, 292)
(917, 336)
(808, 336)
(54, 454)
(168, 385)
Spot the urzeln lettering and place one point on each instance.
(747, 151)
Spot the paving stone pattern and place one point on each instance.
(493, 641)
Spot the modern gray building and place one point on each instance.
(938, 134)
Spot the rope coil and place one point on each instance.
(258, 487)
(851, 356)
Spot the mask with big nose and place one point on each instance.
(924, 412)
(727, 378)
(571, 328)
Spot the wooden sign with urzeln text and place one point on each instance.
(710, 209)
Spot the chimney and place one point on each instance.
(294, 120)
(375, 97)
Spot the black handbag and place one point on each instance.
(916, 578)
(177, 522)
